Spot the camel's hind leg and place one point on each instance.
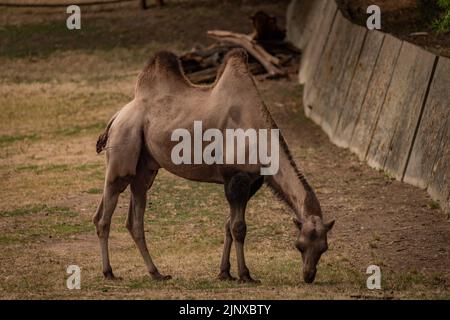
(123, 148)
(102, 218)
(135, 222)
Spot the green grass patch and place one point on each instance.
(204, 283)
(42, 223)
(174, 201)
(43, 168)
(46, 210)
(404, 280)
(40, 169)
(434, 205)
(338, 273)
(27, 167)
(7, 139)
(44, 232)
(16, 38)
(78, 129)
(94, 191)
(88, 166)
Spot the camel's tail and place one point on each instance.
(103, 138)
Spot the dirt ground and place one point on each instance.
(57, 91)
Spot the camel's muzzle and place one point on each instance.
(309, 276)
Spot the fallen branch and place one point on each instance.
(270, 63)
(210, 74)
(269, 53)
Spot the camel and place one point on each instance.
(138, 143)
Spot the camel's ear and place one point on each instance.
(329, 225)
(297, 223)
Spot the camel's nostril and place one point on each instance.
(309, 276)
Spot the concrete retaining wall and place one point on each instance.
(385, 99)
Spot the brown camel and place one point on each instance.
(138, 143)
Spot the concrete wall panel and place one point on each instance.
(385, 99)
(393, 135)
(375, 96)
(360, 83)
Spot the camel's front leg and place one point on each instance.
(237, 191)
(225, 264)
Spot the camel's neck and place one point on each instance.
(292, 186)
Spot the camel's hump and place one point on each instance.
(236, 59)
(164, 61)
(163, 64)
(237, 53)
(166, 66)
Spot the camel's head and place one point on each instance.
(312, 243)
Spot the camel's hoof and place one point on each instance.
(226, 276)
(160, 277)
(249, 279)
(109, 275)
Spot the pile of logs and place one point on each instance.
(269, 54)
